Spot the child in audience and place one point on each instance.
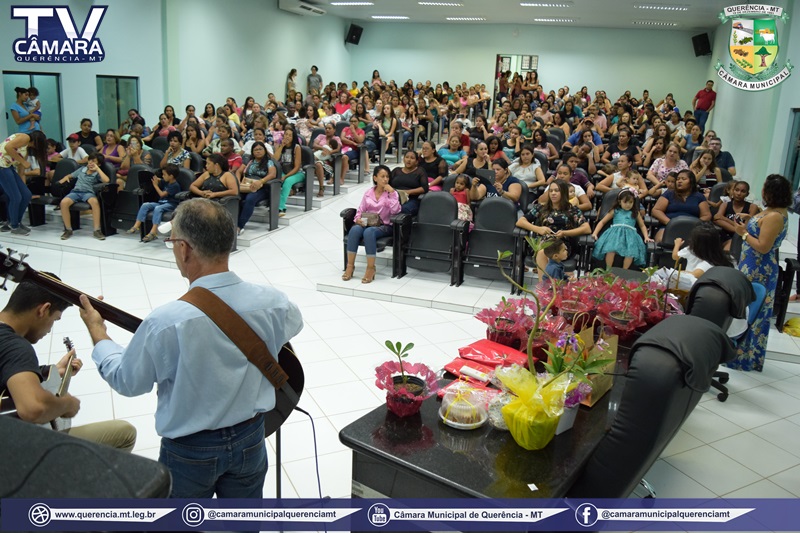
(166, 188)
(461, 193)
(621, 238)
(704, 251)
(325, 153)
(73, 151)
(556, 253)
(87, 177)
(726, 196)
(32, 104)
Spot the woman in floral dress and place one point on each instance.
(762, 237)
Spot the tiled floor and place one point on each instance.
(744, 447)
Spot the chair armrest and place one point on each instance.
(104, 187)
(183, 195)
(229, 199)
(348, 213)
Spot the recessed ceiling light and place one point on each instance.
(653, 23)
(352, 3)
(441, 4)
(466, 19)
(390, 17)
(662, 7)
(554, 20)
(546, 4)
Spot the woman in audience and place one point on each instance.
(624, 177)
(288, 154)
(363, 116)
(526, 125)
(352, 138)
(506, 185)
(527, 168)
(324, 167)
(409, 122)
(433, 165)
(134, 155)
(671, 162)
(540, 144)
(194, 139)
(470, 165)
(453, 153)
(559, 121)
(176, 154)
(572, 113)
(383, 201)
(376, 79)
(685, 200)
(209, 114)
(691, 140)
(386, 125)
(762, 237)
(705, 168)
(622, 146)
(625, 120)
(162, 130)
(169, 111)
(659, 132)
(87, 135)
(499, 124)
(656, 151)
(216, 181)
(710, 134)
(411, 179)
(17, 151)
(555, 218)
(301, 124)
(496, 149)
(480, 130)
(113, 151)
(247, 109)
(512, 145)
(252, 178)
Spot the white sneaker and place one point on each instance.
(241, 231)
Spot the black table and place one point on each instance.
(420, 457)
(41, 463)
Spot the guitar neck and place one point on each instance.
(110, 313)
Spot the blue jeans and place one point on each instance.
(18, 195)
(80, 196)
(411, 207)
(158, 210)
(249, 204)
(369, 235)
(231, 462)
(702, 116)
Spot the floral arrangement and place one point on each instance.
(407, 385)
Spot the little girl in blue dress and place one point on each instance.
(621, 238)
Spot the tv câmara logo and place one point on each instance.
(51, 35)
(753, 46)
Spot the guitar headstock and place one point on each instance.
(12, 268)
(68, 343)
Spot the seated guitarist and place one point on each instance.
(29, 316)
(211, 400)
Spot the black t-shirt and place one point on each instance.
(405, 182)
(87, 139)
(616, 151)
(16, 355)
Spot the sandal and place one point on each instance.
(132, 231)
(348, 273)
(321, 192)
(149, 237)
(369, 275)
(794, 297)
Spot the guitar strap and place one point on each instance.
(242, 335)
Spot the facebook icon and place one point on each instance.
(586, 514)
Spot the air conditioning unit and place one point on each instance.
(300, 8)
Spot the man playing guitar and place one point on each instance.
(28, 317)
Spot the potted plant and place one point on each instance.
(508, 322)
(407, 385)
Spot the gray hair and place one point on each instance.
(206, 225)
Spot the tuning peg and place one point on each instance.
(8, 262)
(21, 259)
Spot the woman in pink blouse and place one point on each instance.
(671, 162)
(382, 200)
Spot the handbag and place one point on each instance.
(371, 219)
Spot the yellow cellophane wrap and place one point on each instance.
(533, 416)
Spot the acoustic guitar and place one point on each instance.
(286, 398)
(52, 383)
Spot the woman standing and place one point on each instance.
(382, 200)
(761, 238)
(26, 121)
(14, 153)
(291, 85)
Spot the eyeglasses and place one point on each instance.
(170, 242)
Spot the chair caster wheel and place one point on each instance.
(722, 396)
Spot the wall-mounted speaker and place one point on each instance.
(354, 34)
(702, 46)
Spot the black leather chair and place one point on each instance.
(128, 200)
(669, 370)
(185, 178)
(559, 133)
(719, 296)
(432, 240)
(157, 156)
(494, 231)
(677, 227)
(348, 218)
(106, 196)
(716, 192)
(160, 143)
(726, 176)
(36, 209)
(197, 163)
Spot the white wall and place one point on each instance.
(130, 33)
(615, 60)
(755, 126)
(250, 51)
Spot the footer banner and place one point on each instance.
(400, 515)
